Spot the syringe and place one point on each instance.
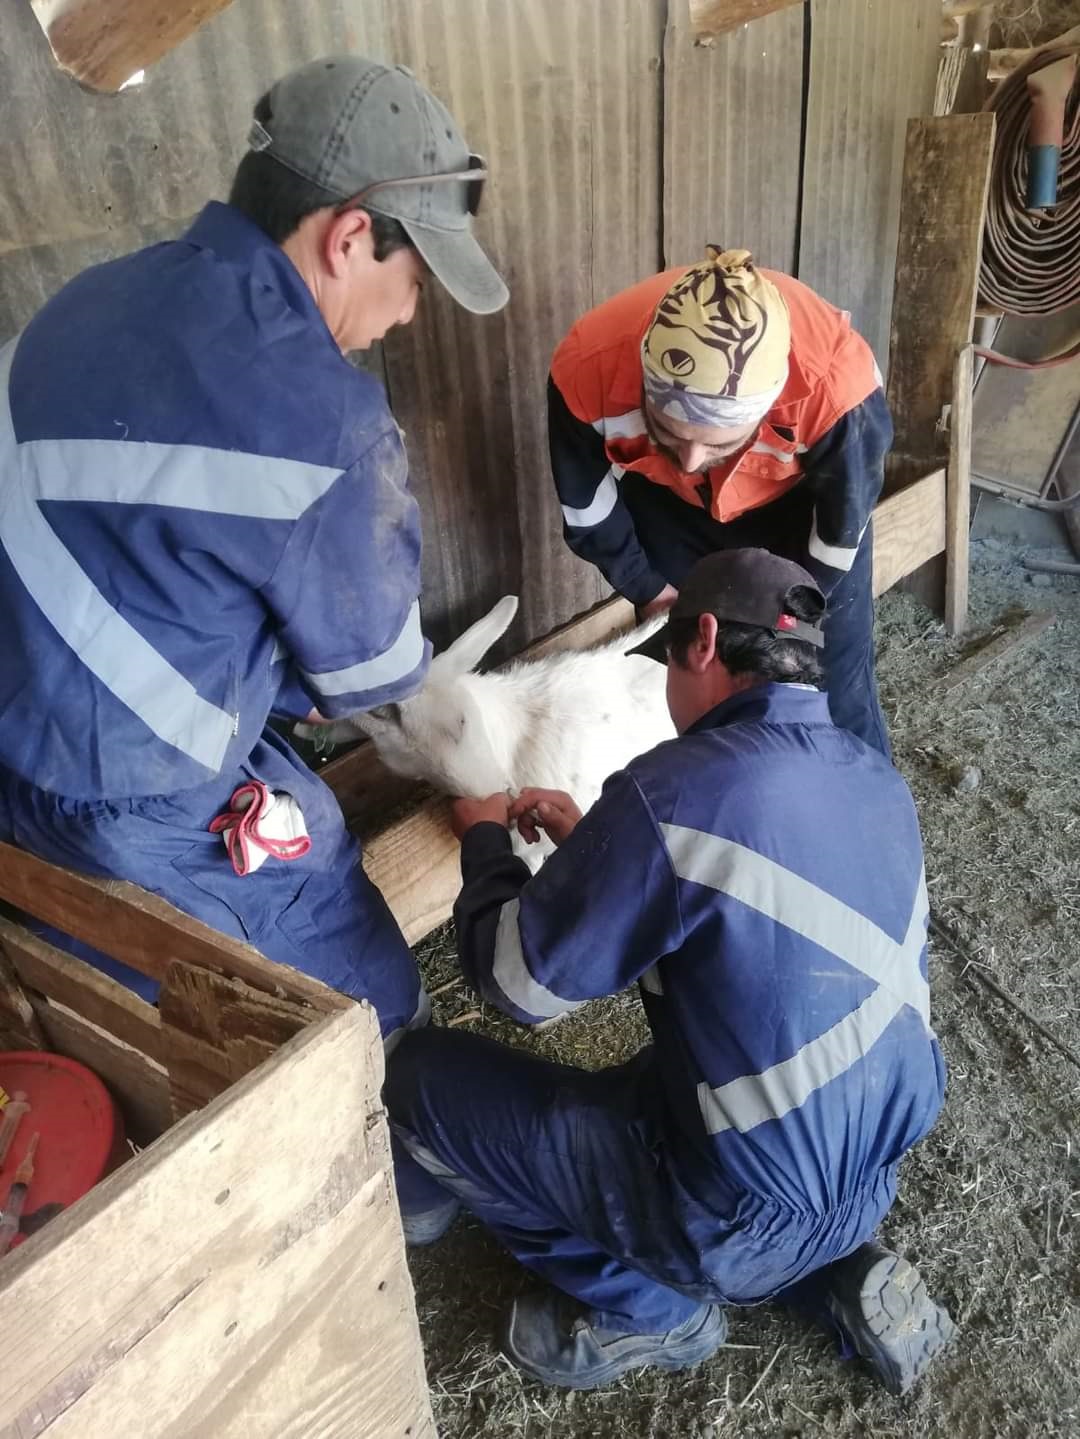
(9, 1220)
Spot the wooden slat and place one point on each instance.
(244, 1276)
(958, 495)
(732, 138)
(415, 864)
(715, 17)
(19, 1028)
(141, 930)
(138, 1084)
(215, 1030)
(101, 43)
(909, 529)
(1008, 638)
(871, 68)
(91, 994)
(946, 176)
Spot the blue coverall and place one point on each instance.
(761, 878)
(204, 517)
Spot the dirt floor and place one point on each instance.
(990, 1203)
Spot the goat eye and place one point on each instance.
(390, 713)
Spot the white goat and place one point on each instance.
(565, 721)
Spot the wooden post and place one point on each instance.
(946, 180)
(958, 494)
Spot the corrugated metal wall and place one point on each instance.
(615, 145)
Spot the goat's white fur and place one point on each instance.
(564, 721)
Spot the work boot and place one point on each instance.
(880, 1304)
(550, 1339)
(428, 1225)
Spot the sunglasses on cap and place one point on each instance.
(473, 179)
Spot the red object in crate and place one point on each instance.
(82, 1133)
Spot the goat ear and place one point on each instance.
(470, 648)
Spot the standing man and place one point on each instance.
(723, 406)
(205, 516)
(761, 878)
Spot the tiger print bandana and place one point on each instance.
(716, 353)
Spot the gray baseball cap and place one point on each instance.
(349, 125)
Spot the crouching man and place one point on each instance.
(761, 878)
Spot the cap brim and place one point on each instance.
(654, 648)
(461, 267)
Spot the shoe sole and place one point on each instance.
(902, 1329)
(694, 1350)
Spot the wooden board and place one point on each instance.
(244, 1276)
(19, 1028)
(415, 864)
(871, 68)
(141, 930)
(215, 1030)
(716, 17)
(958, 494)
(946, 177)
(909, 529)
(732, 138)
(139, 1085)
(102, 43)
(96, 996)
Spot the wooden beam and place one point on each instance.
(245, 1275)
(958, 494)
(416, 865)
(140, 930)
(715, 17)
(946, 179)
(70, 982)
(216, 1030)
(103, 43)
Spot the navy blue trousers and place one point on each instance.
(568, 1168)
(676, 535)
(319, 914)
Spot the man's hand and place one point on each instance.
(464, 813)
(549, 810)
(659, 606)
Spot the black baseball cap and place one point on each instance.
(746, 587)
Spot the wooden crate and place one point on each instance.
(245, 1274)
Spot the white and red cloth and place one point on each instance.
(260, 824)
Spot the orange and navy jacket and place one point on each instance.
(821, 432)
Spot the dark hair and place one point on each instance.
(750, 650)
(276, 198)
